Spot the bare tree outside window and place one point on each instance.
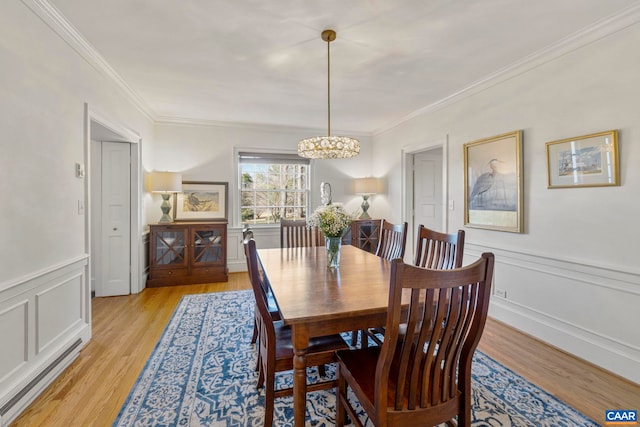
(271, 191)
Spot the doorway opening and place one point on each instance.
(113, 214)
(425, 189)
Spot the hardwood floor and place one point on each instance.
(125, 330)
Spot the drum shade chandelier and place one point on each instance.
(328, 147)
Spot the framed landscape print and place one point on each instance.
(584, 161)
(201, 201)
(493, 183)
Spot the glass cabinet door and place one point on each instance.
(367, 233)
(207, 245)
(169, 247)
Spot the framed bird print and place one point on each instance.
(493, 183)
(201, 201)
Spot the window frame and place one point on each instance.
(267, 154)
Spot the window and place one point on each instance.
(272, 187)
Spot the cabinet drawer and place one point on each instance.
(169, 272)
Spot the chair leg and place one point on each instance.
(254, 337)
(354, 338)
(322, 370)
(269, 398)
(260, 367)
(341, 389)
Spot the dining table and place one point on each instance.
(315, 300)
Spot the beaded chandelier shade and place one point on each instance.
(328, 147)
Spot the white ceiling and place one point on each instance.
(262, 61)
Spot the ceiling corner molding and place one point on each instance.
(187, 121)
(588, 35)
(263, 127)
(51, 16)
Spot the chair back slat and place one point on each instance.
(296, 234)
(430, 363)
(392, 241)
(437, 250)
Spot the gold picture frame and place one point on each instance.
(584, 161)
(493, 183)
(202, 201)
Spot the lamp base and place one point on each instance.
(166, 208)
(365, 207)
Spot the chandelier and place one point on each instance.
(328, 147)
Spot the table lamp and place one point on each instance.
(366, 187)
(165, 183)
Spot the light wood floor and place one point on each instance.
(125, 330)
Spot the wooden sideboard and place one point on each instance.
(364, 234)
(183, 253)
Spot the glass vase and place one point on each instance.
(334, 244)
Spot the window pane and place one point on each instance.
(271, 188)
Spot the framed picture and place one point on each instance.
(201, 201)
(493, 183)
(584, 161)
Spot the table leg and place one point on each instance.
(300, 337)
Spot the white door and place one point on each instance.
(115, 234)
(427, 190)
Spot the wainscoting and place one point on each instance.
(266, 237)
(587, 310)
(44, 323)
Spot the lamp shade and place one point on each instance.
(165, 182)
(366, 185)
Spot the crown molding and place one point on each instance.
(601, 29)
(263, 127)
(51, 16)
(588, 35)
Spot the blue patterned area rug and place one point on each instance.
(201, 373)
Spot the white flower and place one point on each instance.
(332, 220)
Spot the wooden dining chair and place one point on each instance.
(275, 346)
(421, 378)
(392, 243)
(437, 250)
(273, 309)
(296, 234)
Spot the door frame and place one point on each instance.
(126, 135)
(407, 204)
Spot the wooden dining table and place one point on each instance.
(315, 300)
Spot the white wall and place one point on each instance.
(206, 153)
(572, 278)
(43, 89)
(44, 294)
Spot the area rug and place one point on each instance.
(201, 373)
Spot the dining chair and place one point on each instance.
(392, 243)
(273, 309)
(420, 378)
(275, 347)
(296, 234)
(437, 250)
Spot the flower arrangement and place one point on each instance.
(332, 219)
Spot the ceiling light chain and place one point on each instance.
(329, 147)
